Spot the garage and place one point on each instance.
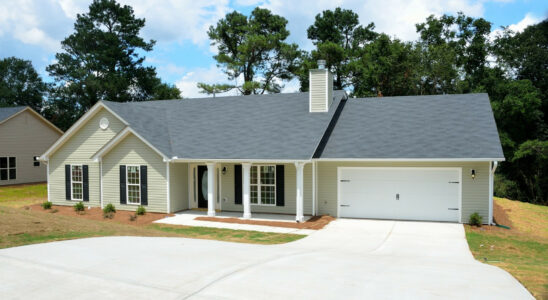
(427, 194)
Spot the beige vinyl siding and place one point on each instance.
(25, 136)
(475, 192)
(290, 183)
(132, 151)
(318, 90)
(79, 149)
(178, 176)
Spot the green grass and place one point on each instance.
(21, 195)
(20, 226)
(222, 234)
(522, 250)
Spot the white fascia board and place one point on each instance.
(76, 126)
(120, 137)
(409, 159)
(253, 161)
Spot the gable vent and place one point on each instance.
(321, 88)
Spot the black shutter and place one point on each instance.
(67, 182)
(280, 190)
(237, 184)
(144, 187)
(122, 184)
(85, 182)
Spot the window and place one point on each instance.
(133, 185)
(8, 170)
(35, 161)
(77, 182)
(263, 185)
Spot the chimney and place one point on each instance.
(320, 88)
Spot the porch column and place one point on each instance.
(299, 216)
(246, 190)
(211, 189)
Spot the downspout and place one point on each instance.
(168, 188)
(313, 188)
(101, 181)
(493, 168)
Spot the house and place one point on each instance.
(412, 158)
(24, 136)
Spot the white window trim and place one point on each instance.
(71, 182)
(8, 167)
(259, 184)
(128, 184)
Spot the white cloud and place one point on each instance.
(33, 23)
(188, 83)
(394, 17)
(528, 20)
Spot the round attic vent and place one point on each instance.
(103, 124)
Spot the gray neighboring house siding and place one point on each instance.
(24, 135)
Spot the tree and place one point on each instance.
(525, 56)
(531, 159)
(213, 89)
(20, 84)
(165, 91)
(338, 37)
(467, 37)
(254, 47)
(386, 68)
(101, 61)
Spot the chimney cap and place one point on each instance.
(321, 64)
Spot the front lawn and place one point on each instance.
(21, 195)
(22, 223)
(521, 250)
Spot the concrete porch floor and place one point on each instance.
(187, 218)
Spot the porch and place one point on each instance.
(243, 189)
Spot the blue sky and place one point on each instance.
(33, 29)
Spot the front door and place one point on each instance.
(202, 186)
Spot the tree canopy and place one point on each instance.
(20, 84)
(254, 48)
(101, 61)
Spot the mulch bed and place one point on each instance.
(96, 213)
(315, 223)
(500, 216)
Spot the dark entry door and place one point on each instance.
(202, 186)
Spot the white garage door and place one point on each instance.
(400, 193)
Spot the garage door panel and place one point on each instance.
(411, 194)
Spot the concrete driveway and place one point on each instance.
(350, 259)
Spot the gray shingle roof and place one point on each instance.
(276, 126)
(440, 126)
(6, 112)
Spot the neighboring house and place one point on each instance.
(413, 158)
(24, 136)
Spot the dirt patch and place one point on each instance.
(315, 223)
(96, 213)
(500, 215)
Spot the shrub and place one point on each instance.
(109, 208)
(54, 210)
(109, 211)
(132, 218)
(46, 205)
(141, 210)
(475, 220)
(78, 207)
